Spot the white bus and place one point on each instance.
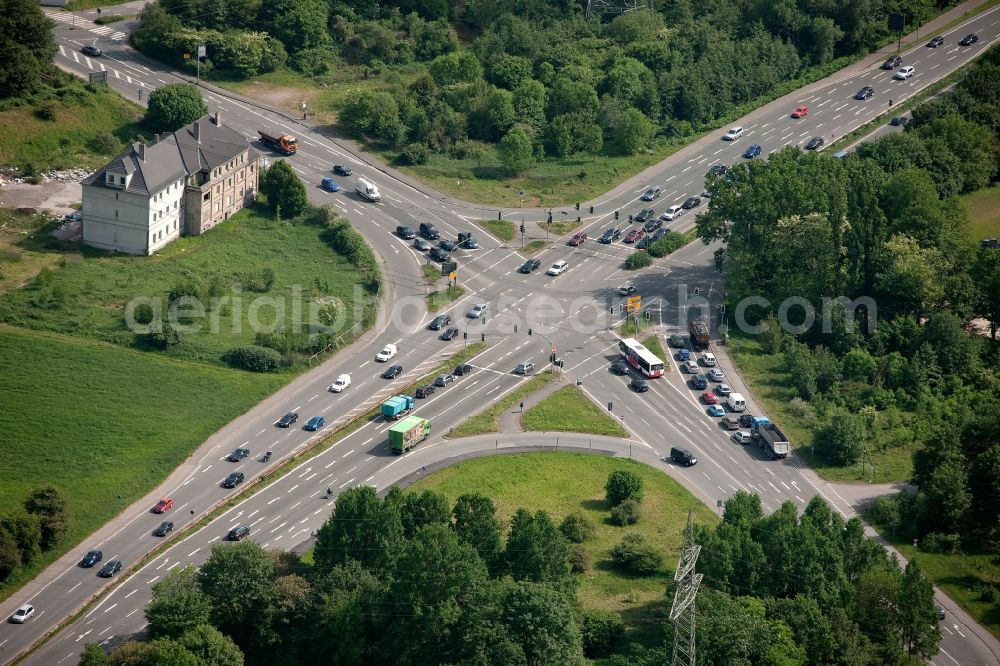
(640, 358)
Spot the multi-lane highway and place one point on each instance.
(570, 312)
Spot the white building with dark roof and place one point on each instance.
(183, 183)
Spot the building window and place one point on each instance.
(116, 212)
(116, 195)
(207, 196)
(122, 179)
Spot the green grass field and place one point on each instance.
(84, 416)
(984, 209)
(442, 297)
(569, 410)
(502, 229)
(563, 483)
(88, 291)
(534, 246)
(488, 420)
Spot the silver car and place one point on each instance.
(525, 368)
(692, 367)
(716, 375)
(741, 437)
(723, 389)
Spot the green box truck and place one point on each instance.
(408, 433)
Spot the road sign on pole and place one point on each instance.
(453, 275)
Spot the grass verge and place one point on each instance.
(559, 228)
(569, 410)
(631, 329)
(502, 229)
(438, 299)
(114, 18)
(488, 420)
(534, 246)
(564, 483)
(432, 272)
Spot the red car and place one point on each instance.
(800, 111)
(163, 505)
(635, 234)
(578, 239)
(709, 398)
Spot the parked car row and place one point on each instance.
(428, 232)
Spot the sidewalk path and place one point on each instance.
(510, 421)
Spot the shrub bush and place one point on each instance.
(666, 245)
(576, 528)
(622, 485)
(579, 558)
(636, 556)
(415, 153)
(46, 110)
(626, 513)
(602, 631)
(638, 260)
(253, 358)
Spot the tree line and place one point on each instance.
(36, 528)
(884, 223)
(532, 79)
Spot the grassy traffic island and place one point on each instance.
(570, 410)
(488, 420)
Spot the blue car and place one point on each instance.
(716, 410)
(315, 423)
(753, 150)
(330, 185)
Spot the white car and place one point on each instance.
(904, 73)
(672, 213)
(724, 389)
(23, 614)
(341, 383)
(692, 366)
(741, 437)
(558, 267)
(387, 352)
(733, 133)
(478, 311)
(716, 375)
(709, 359)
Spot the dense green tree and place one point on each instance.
(238, 580)
(172, 106)
(729, 632)
(637, 556)
(633, 132)
(510, 71)
(284, 190)
(910, 275)
(623, 484)
(970, 142)
(211, 647)
(24, 531)
(476, 524)
(178, 605)
(458, 67)
(542, 620)
(337, 630)
(918, 627)
(536, 549)
(49, 504)
(515, 151)
(375, 114)
(602, 632)
(93, 655)
(985, 273)
(361, 528)
(569, 96)
(28, 45)
(944, 499)
(577, 528)
(159, 652)
(984, 484)
(529, 103)
(844, 440)
(423, 508)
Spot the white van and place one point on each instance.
(709, 359)
(736, 402)
(367, 190)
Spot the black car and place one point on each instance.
(718, 170)
(610, 236)
(238, 454)
(619, 367)
(678, 341)
(644, 243)
(450, 334)
(424, 391)
(392, 372)
(814, 143)
(110, 569)
(429, 231)
(969, 40)
(238, 533)
(165, 528)
(639, 385)
(899, 121)
(446, 244)
(529, 265)
(691, 202)
(233, 480)
(936, 42)
(463, 369)
(469, 244)
(892, 63)
(439, 322)
(660, 233)
(652, 225)
(644, 214)
(288, 419)
(464, 236)
(91, 558)
(865, 93)
(341, 170)
(699, 382)
(91, 51)
(746, 420)
(405, 232)
(437, 254)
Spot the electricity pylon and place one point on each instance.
(682, 611)
(616, 6)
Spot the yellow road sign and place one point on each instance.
(634, 300)
(453, 275)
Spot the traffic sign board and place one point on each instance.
(453, 275)
(634, 300)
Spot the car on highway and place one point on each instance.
(678, 341)
(742, 437)
(529, 265)
(429, 231)
(315, 423)
(446, 245)
(718, 170)
(801, 111)
(91, 558)
(691, 202)
(558, 268)
(660, 233)
(524, 368)
(939, 611)
(627, 289)
(652, 225)
(635, 234)
(709, 398)
(392, 372)
(439, 322)
(716, 375)
(92, 51)
(469, 243)
(233, 480)
(406, 233)
(387, 352)
(893, 62)
(421, 244)
(682, 456)
(462, 369)
(699, 382)
(752, 151)
(936, 42)
(238, 533)
(672, 213)
(715, 410)
(22, 614)
(814, 143)
(330, 185)
(287, 420)
(163, 529)
(904, 73)
(644, 243)
(645, 214)
(708, 358)
(691, 366)
(639, 385)
(439, 255)
(444, 380)
(865, 93)
(610, 236)
(968, 40)
(899, 121)
(733, 133)
(110, 569)
(724, 389)
(730, 423)
(341, 170)
(685, 355)
(578, 239)
(651, 193)
(449, 334)
(619, 367)
(163, 505)
(424, 391)
(746, 419)
(238, 454)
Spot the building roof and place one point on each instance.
(211, 145)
